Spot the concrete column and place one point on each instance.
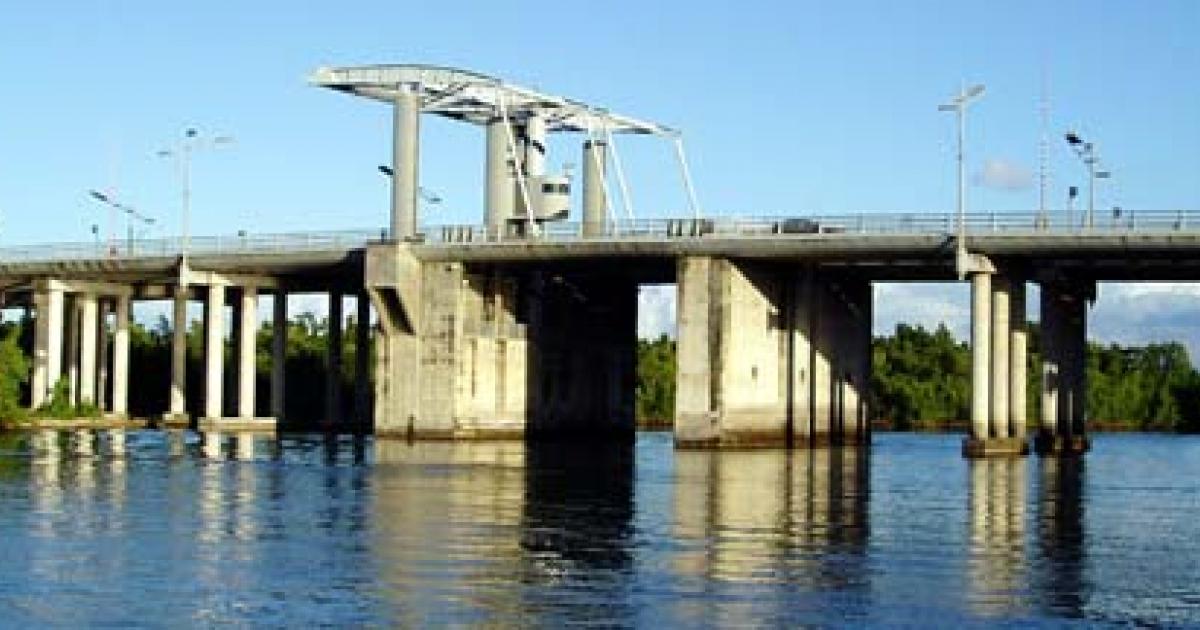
(1051, 329)
(1001, 310)
(120, 371)
(820, 364)
(247, 327)
(102, 355)
(405, 162)
(333, 361)
(1018, 355)
(87, 349)
(214, 351)
(279, 326)
(179, 352)
(981, 320)
(362, 360)
(71, 355)
(535, 147)
(498, 176)
(1078, 342)
(595, 205)
(801, 356)
(48, 345)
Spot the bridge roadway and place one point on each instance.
(482, 336)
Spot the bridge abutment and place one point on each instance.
(770, 355)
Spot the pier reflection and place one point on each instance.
(1059, 580)
(996, 564)
(774, 520)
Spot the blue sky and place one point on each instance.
(787, 107)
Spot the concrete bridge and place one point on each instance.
(524, 325)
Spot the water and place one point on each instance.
(172, 530)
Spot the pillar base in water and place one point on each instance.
(771, 439)
(1047, 444)
(995, 447)
(175, 421)
(266, 424)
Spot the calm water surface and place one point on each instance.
(173, 530)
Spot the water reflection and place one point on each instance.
(997, 535)
(1060, 584)
(782, 520)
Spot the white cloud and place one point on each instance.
(656, 311)
(1003, 174)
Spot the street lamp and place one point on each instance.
(182, 152)
(958, 105)
(129, 211)
(1086, 151)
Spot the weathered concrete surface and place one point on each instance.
(770, 355)
(995, 447)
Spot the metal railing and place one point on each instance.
(774, 227)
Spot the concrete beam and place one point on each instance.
(193, 277)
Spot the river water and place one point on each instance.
(172, 530)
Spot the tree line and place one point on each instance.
(920, 378)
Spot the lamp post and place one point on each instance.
(182, 152)
(131, 213)
(1086, 151)
(958, 105)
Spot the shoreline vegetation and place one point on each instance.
(920, 379)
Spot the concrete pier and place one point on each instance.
(1064, 369)
(178, 398)
(120, 370)
(214, 346)
(279, 329)
(997, 372)
(770, 355)
(247, 328)
(48, 343)
(333, 362)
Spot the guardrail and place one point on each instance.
(977, 224)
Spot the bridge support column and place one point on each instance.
(102, 349)
(88, 320)
(47, 344)
(405, 155)
(595, 206)
(1064, 357)
(177, 411)
(279, 326)
(214, 351)
(247, 327)
(120, 370)
(770, 355)
(992, 370)
(333, 362)
(71, 356)
(1019, 354)
(362, 361)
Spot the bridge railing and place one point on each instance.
(1124, 221)
(978, 224)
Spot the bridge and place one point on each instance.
(525, 324)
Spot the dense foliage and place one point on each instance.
(656, 382)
